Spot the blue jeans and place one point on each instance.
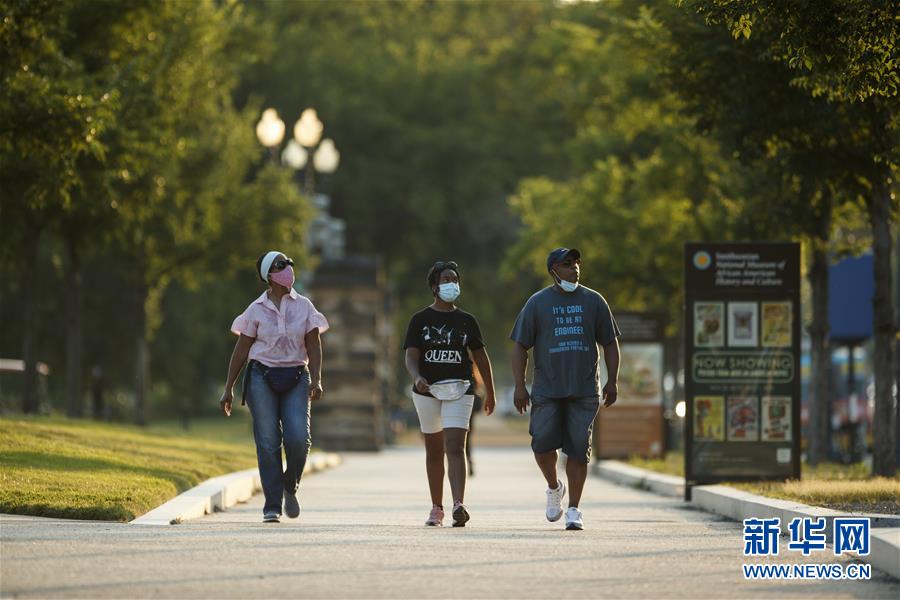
(276, 418)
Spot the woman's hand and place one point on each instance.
(421, 384)
(489, 404)
(315, 390)
(225, 401)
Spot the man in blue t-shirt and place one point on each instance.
(564, 324)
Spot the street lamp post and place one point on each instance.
(307, 132)
(327, 157)
(270, 131)
(303, 150)
(308, 151)
(325, 240)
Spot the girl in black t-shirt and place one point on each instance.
(441, 344)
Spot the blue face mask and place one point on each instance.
(448, 292)
(567, 286)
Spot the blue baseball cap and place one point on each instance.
(561, 254)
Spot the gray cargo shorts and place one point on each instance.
(564, 423)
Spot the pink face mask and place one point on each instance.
(284, 277)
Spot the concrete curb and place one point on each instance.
(739, 505)
(885, 554)
(665, 485)
(218, 493)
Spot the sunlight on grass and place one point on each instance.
(86, 470)
(832, 485)
(671, 464)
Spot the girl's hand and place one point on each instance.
(489, 404)
(421, 385)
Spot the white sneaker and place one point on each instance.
(573, 519)
(554, 502)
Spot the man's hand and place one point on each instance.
(421, 385)
(610, 393)
(489, 404)
(315, 390)
(225, 402)
(521, 397)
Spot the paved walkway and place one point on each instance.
(361, 536)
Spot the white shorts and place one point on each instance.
(436, 415)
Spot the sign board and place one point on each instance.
(851, 287)
(634, 424)
(742, 370)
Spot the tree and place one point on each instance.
(745, 100)
(183, 152)
(846, 51)
(53, 118)
(143, 171)
(644, 180)
(439, 109)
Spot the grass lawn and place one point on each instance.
(55, 467)
(671, 464)
(837, 486)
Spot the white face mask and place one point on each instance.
(567, 286)
(448, 292)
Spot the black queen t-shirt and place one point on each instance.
(444, 339)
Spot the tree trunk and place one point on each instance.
(885, 426)
(142, 356)
(819, 399)
(897, 349)
(29, 319)
(74, 335)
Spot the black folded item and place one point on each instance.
(283, 379)
(279, 379)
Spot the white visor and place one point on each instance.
(266, 263)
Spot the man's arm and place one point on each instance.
(519, 367)
(611, 357)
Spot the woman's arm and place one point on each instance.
(313, 343)
(238, 360)
(483, 362)
(413, 355)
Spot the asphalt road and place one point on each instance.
(361, 535)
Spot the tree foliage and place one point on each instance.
(485, 132)
(843, 49)
(644, 181)
(150, 171)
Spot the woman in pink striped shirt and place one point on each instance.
(279, 333)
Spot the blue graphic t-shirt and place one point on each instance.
(564, 330)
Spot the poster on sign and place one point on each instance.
(776, 324)
(776, 419)
(708, 419)
(709, 327)
(743, 418)
(742, 324)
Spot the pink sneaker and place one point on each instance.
(436, 517)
